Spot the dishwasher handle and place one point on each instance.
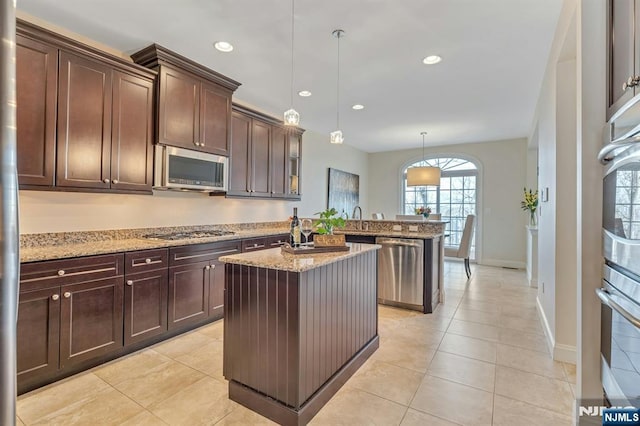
(398, 242)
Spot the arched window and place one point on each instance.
(454, 199)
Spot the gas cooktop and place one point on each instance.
(188, 235)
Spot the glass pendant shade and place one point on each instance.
(423, 176)
(291, 117)
(336, 137)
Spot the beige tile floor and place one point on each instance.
(481, 358)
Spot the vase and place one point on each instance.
(426, 215)
(533, 220)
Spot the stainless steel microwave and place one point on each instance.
(187, 170)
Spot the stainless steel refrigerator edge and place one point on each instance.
(9, 259)
(401, 272)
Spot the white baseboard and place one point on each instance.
(564, 353)
(551, 341)
(504, 263)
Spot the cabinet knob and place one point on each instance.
(115, 181)
(207, 267)
(197, 143)
(61, 272)
(55, 297)
(147, 261)
(633, 81)
(67, 295)
(213, 266)
(129, 282)
(106, 180)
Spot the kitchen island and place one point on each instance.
(297, 327)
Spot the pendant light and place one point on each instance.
(423, 176)
(336, 136)
(291, 116)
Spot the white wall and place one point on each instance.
(592, 77)
(566, 204)
(556, 130)
(49, 211)
(501, 236)
(547, 219)
(318, 155)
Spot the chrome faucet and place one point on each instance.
(353, 216)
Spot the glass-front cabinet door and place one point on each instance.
(293, 165)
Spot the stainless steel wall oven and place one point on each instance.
(620, 292)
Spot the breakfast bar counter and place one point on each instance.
(296, 327)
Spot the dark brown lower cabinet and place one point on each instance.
(90, 320)
(145, 305)
(188, 294)
(77, 313)
(38, 334)
(216, 289)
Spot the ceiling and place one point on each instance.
(494, 56)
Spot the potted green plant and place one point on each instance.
(329, 219)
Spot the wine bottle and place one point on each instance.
(295, 229)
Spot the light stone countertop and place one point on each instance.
(89, 248)
(276, 259)
(65, 245)
(394, 234)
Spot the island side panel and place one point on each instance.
(261, 331)
(338, 317)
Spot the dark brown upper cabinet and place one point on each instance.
(194, 102)
(84, 117)
(36, 90)
(260, 164)
(623, 69)
(84, 123)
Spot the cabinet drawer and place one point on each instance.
(278, 240)
(255, 244)
(48, 274)
(147, 260)
(201, 252)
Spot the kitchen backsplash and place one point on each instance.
(58, 238)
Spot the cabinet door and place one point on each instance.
(260, 146)
(216, 289)
(84, 123)
(90, 320)
(145, 305)
(240, 160)
(36, 90)
(178, 109)
(294, 167)
(215, 119)
(38, 334)
(132, 133)
(279, 158)
(621, 16)
(188, 294)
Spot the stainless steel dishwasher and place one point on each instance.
(401, 272)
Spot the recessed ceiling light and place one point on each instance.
(431, 60)
(358, 106)
(304, 93)
(223, 46)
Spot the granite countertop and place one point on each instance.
(65, 245)
(88, 248)
(395, 234)
(276, 259)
